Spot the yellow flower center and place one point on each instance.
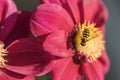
(89, 41)
(2, 54)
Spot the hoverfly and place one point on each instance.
(84, 39)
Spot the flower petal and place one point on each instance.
(101, 15)
(70, 6)
(29, 78)
(21, 27)
(9, 75)
(26, 57)
(2, 4)
(105, 61)
(93, 10)
(65, 69)
(90, 7)
(93, 71)
(56, 44)
(8, 19)
(51, 1)
(10, 8)
(48, 18)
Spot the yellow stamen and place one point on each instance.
(89, 41)
(2, 55)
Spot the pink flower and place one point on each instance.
(73, 31)
(23, 59)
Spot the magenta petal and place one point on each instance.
(73, 7)
(10, 8)
(56, 44)
(21, 27)
(51, 1)
(93, 71)
(8, 18)
(70, 6)
(105, 61)
(90, 8)
(29, 78)
(26, 57)
(2, 4)
(101, 15)
(65, 69)
(48, 18)
(9, 75)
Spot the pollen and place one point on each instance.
(2, 55)
(88, 40)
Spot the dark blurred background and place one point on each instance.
(113, 38)
(112, 32)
